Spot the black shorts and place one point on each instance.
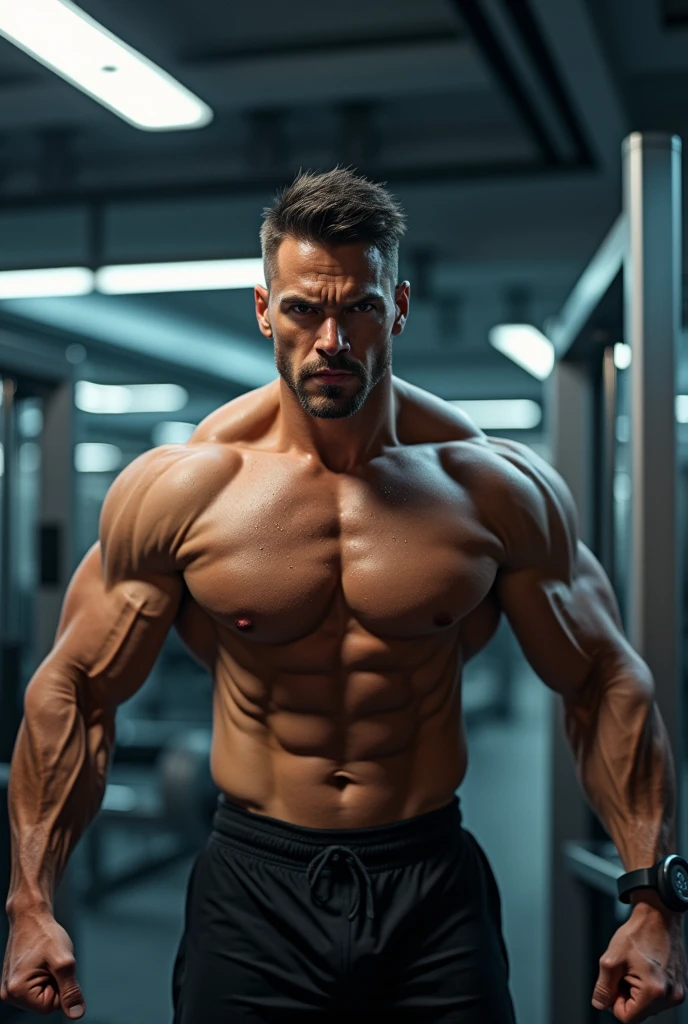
(400, 922)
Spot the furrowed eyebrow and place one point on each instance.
(288, 300)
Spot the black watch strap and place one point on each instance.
(668, 877)
(642, 878)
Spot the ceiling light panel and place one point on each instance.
(502, 413)
(525, 345)
(118, 399)
(75, 46)
(172, 432)
(90, 457)
(41, 284)
(192, 276)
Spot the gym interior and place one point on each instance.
(536, 149)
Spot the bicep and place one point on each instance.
(109, 635)
(567, 623)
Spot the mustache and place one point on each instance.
(334, 367)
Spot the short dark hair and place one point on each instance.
(335, 207)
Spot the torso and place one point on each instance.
(336, 612)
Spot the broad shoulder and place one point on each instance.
(519, 496)
(152, 502)
(522, 499)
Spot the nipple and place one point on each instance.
(243, 624)
(443, 619)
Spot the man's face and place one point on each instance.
(331, 308)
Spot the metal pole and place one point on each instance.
(652, 311)
(605, 551)
(10, 660)
(9, 388)
(570, 399)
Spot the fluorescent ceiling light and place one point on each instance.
(50, 283)
(132, 279)
(195, 276)
(525, 345)
(113, 399)
(97, 458)
(682, 408)
(172, 432)
(71, 43)
(30, 420)
(622, 356)
(502, 413)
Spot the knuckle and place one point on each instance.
(606, 961)
(14, 988)
(64, 964)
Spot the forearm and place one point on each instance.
(57, 783)
(624, 760)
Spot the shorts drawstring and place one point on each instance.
(356, 867)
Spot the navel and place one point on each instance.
(340, 781)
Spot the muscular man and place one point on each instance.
(334, 547)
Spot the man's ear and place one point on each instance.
(262, 297)
(402, 298)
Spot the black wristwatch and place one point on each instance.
(668, 876)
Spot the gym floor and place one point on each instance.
(127, 944)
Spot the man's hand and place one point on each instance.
(39, 971)
(643, 972)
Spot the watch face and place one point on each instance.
(678, 877)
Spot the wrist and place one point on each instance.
(21, 904)
(648, 902)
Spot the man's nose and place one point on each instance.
(332, 339)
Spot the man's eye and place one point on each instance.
(301, 307)
(360, 307)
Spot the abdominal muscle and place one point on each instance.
(334, 765)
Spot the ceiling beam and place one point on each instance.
(577, 52)
(413, 68)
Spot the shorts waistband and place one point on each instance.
(359, 849)
(379, 846)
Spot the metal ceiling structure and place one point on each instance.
(498, 123)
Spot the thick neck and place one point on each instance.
(341, 445)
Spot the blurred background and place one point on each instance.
(499, 126)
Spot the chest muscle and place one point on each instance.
(286, 551)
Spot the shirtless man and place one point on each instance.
(334, 547)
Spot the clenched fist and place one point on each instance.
(39, 971)
(643, 972)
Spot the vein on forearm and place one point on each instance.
(623, 758)
(57, 781)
